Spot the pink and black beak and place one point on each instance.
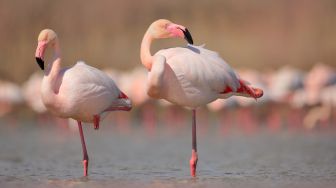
(187, 36)
(41, 46)
(180, 31)
(40, 62)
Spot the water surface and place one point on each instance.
(50, 156)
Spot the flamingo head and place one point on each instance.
(47, 37)
(166, 29)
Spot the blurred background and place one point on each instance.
(286, 47)
(257, 34)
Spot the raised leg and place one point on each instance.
(96, 119)
(194, 157)
(85, 155)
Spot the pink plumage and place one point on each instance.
(189, 76)
(81, 92)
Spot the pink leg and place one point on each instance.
(85, 155)
(194, 157)
(96, 119)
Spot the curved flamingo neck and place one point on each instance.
(53, 71)
(145, 54)
(54, 65)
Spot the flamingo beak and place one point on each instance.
(180, 31)
(41, 46)
(187, 36)
(40, 62)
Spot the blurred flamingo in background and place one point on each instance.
(131, 82)
(320, 76)
(32, 93)
(328, 100)
(10, 96)
(113, 74)
(283, 83)
(191, 77)
(318, 93)
(122, 121)
(81, 92)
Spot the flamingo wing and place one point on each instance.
(85, 87)
(201, 68)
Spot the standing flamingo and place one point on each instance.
(191, 76)
(81, 92)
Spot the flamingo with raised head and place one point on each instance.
(81, 92)
(189, 76)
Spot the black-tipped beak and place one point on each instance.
(40, 62)
(187, 36)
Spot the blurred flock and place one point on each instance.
(294, 100)
(285, 47)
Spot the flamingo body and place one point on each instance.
(192, 76)
(83, 92)
(32, 93)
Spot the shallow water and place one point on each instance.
(50, 156)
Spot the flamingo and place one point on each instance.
(10, 97)
(32, 93)
(189, 76)
(80, 92)
(130, 82)
(317, 94)
(283, 83)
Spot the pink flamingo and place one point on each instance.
(81, 92)
(191, 77)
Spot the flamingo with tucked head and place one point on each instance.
(189, 76)
(81, 92)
